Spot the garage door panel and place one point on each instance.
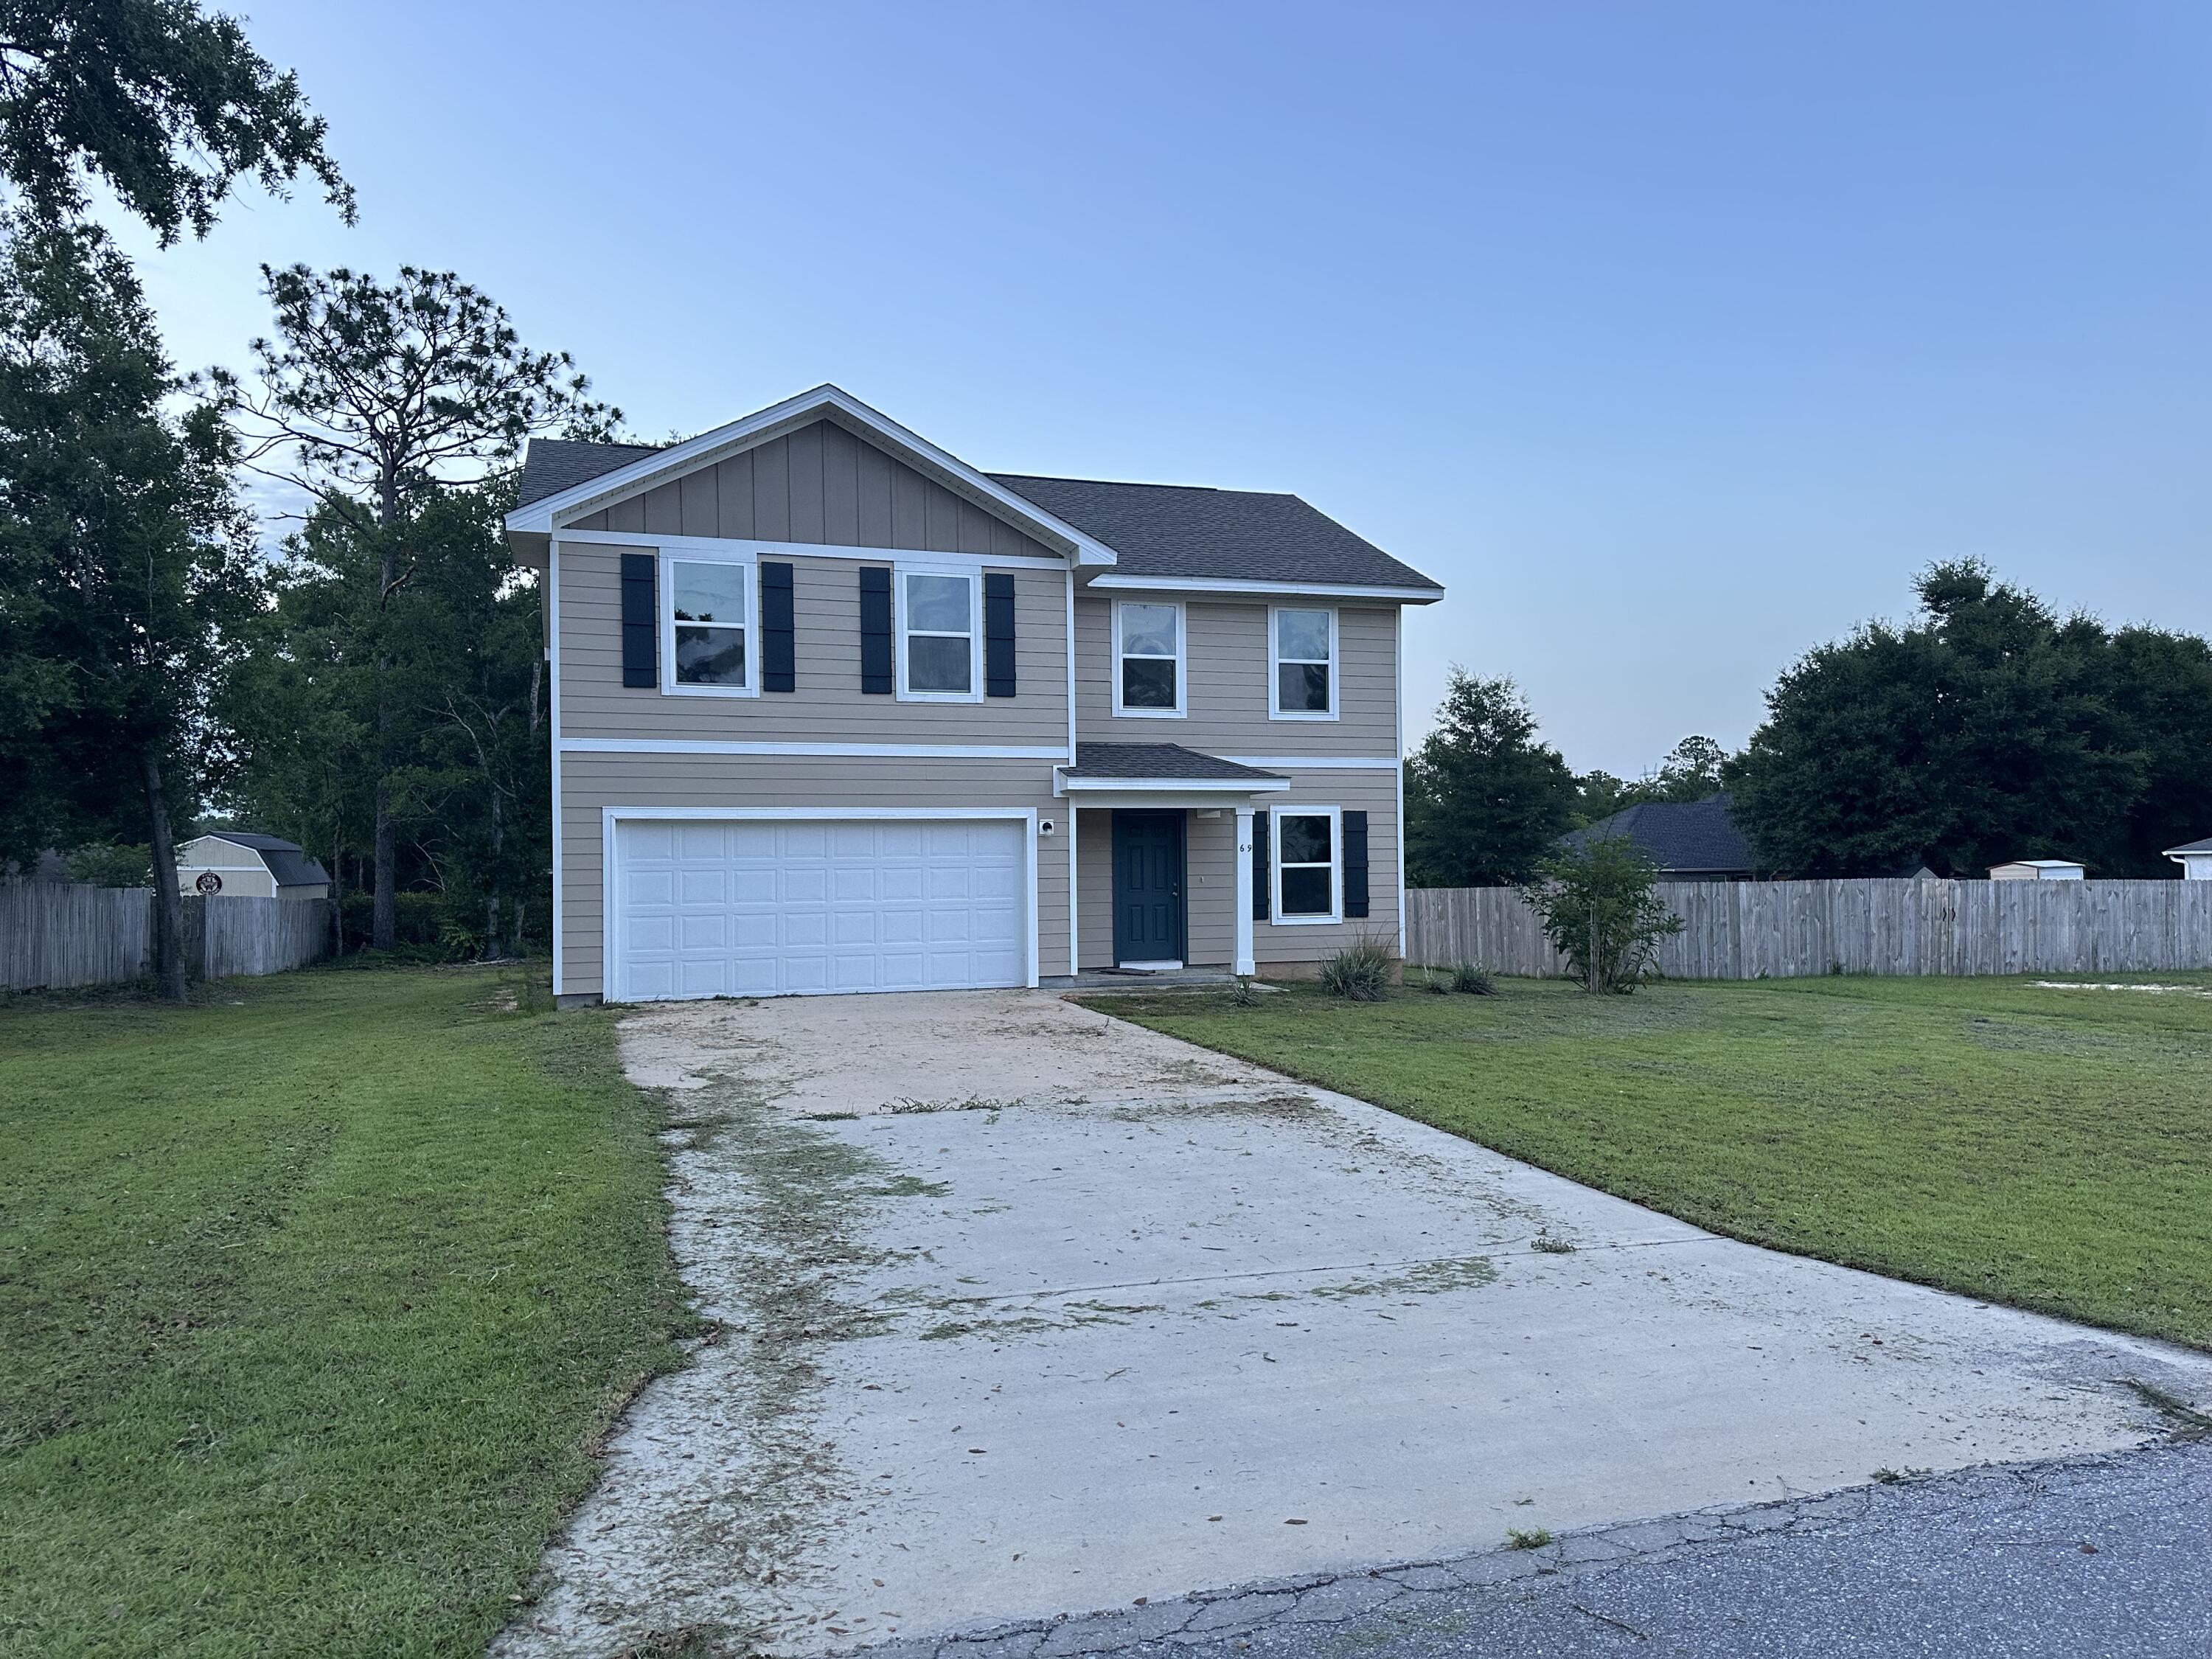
(777, 907)
(696, 841)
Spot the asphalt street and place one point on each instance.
(2107, 1557)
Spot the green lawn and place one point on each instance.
(314, 1298)
(2049, 1149)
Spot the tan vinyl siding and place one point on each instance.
(1094, 888)
(821, 483)
(828, 705)
(1210, 888)
(590, 783)
(1376, 794)
(1229, 690)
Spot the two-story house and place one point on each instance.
(834, 711)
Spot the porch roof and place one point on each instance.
(1119, 766)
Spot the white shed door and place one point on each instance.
(775, 908)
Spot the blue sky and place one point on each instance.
(1672, 337)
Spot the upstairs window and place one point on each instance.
(1304, 661)
(1305, 865)
(1148, 647)
(937, 632)
(709, 605)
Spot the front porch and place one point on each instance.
(1160, 857)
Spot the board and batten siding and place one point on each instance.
(827, 705)
(821, 483)
(590, 783)
(1210, 877)
(1230, 687)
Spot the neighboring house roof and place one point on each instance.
(1677, 834)
(1234, 535)
(286, 860)
(2040, 864)
(553, 464)
(2204, 845)
(1159, 760)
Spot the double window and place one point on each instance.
(1307, 865)
(1148, 657)
(1301, 654)
(938, 631)
(708, 643)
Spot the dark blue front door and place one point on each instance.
(1148, 887)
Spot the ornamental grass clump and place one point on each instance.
(1360, 972)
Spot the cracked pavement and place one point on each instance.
(1024, 1311)
(2101, 1556)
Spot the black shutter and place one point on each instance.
(779, 647)
(640, 622)
(1355, 863)
(1260, 899)
(997, 636)
(876, 630)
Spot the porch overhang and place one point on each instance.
(1165, 774)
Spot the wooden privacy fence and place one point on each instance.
(1795, 929)
(54, 935)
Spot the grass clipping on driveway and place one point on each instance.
(314, 1298)
(2051, 1149)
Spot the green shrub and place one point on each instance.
(1360, 972)
(1473, 980)
(420, 922)
(1601, 910)
(103, 866)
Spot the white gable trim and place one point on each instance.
(543, 517)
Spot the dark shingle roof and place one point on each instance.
(290, 865)
(1238, 535)
(1157, 760)
(1158, 529)
(2204, 845)
(550, 465)
(1677, 834)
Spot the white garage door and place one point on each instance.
(774, 908)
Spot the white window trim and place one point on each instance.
(1182, 663)
(973, 576)
(1275, 663)
(1275, 817)
(671, 558)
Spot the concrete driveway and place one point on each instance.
(1029, 1311)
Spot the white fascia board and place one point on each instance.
(801, 750)
(1317, 763)
(1064, 785)
(740, 547)
(545, 516)
(1302, 590)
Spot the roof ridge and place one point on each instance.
(1133, 483)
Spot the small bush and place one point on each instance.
(1243, 995)
(1601, 910)
(103, 866)
(1360, 972)
(1473, 980)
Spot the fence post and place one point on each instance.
(207, 939)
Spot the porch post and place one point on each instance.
(1245, 964)
(1075, 907)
